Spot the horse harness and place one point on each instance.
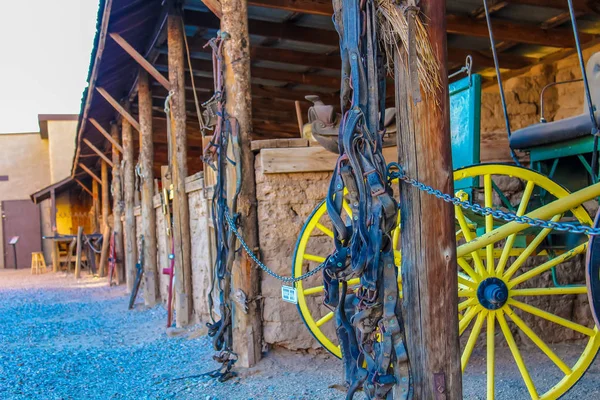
(225, 139)
(368, 322)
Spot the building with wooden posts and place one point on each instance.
(30, 162)
(146, 52)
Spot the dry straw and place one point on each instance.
(393, 28)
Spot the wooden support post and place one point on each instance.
(151, 289)
(428, 235)
(97, 151)
(129, 200)
(117, 206)
(78, 254)
(181, 214)
(247, 327)
(95, 206)
(55, 255)
(104, 133)
(105, 227)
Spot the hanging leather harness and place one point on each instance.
(368, 321)
(225, 138)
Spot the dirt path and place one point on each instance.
(67, 339)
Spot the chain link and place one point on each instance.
(496, 213)
(286, 279)
(476, 208)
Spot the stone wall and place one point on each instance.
(523, 102)
(284, 203)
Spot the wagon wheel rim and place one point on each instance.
(505, 273)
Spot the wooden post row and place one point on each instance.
(148, 227)
(181, 217)
(129, 201)
(117, 205)
(247, 327)
(428, 235)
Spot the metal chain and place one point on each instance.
(287, 279)
(496, 213)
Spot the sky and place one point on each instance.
(45, 48)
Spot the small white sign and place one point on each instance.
(289, 294)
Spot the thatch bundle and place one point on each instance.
(393, 30)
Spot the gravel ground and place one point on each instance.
(67, 339)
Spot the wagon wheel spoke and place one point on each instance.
(467, 268)
(552, 317)
(488, 192)
(538, 341)
(466, 304)
(314, 291)
(511, 239)
(464, 323)
(324, 229)
(326, 318)
(491, 354)
(529, 250)
(548, 265)
(514, 349)
(466, 231)
(549, 291)
(313, 257)
(465, 282)
(466, 355)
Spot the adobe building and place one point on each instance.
(29, 162)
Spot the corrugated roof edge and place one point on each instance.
(104, 7)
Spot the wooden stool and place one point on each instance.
(38, 264)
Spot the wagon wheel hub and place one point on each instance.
(492, 293)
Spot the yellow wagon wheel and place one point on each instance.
(505, 289)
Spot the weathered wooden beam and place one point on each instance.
(514, 32)
(129, 235)
(493, 6)
(117, 193)
(247, 325)
(428, 236)
(313, 60)
(97, 151)
(88, 191)
(140, 60)
(90, 173)
(578, 5)
(78, 253)
(317, 7)
(181, 218)
(104, 133)
(271, 30)
(146, 158)
(105, 228)
(118, 107)
(299, 78)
